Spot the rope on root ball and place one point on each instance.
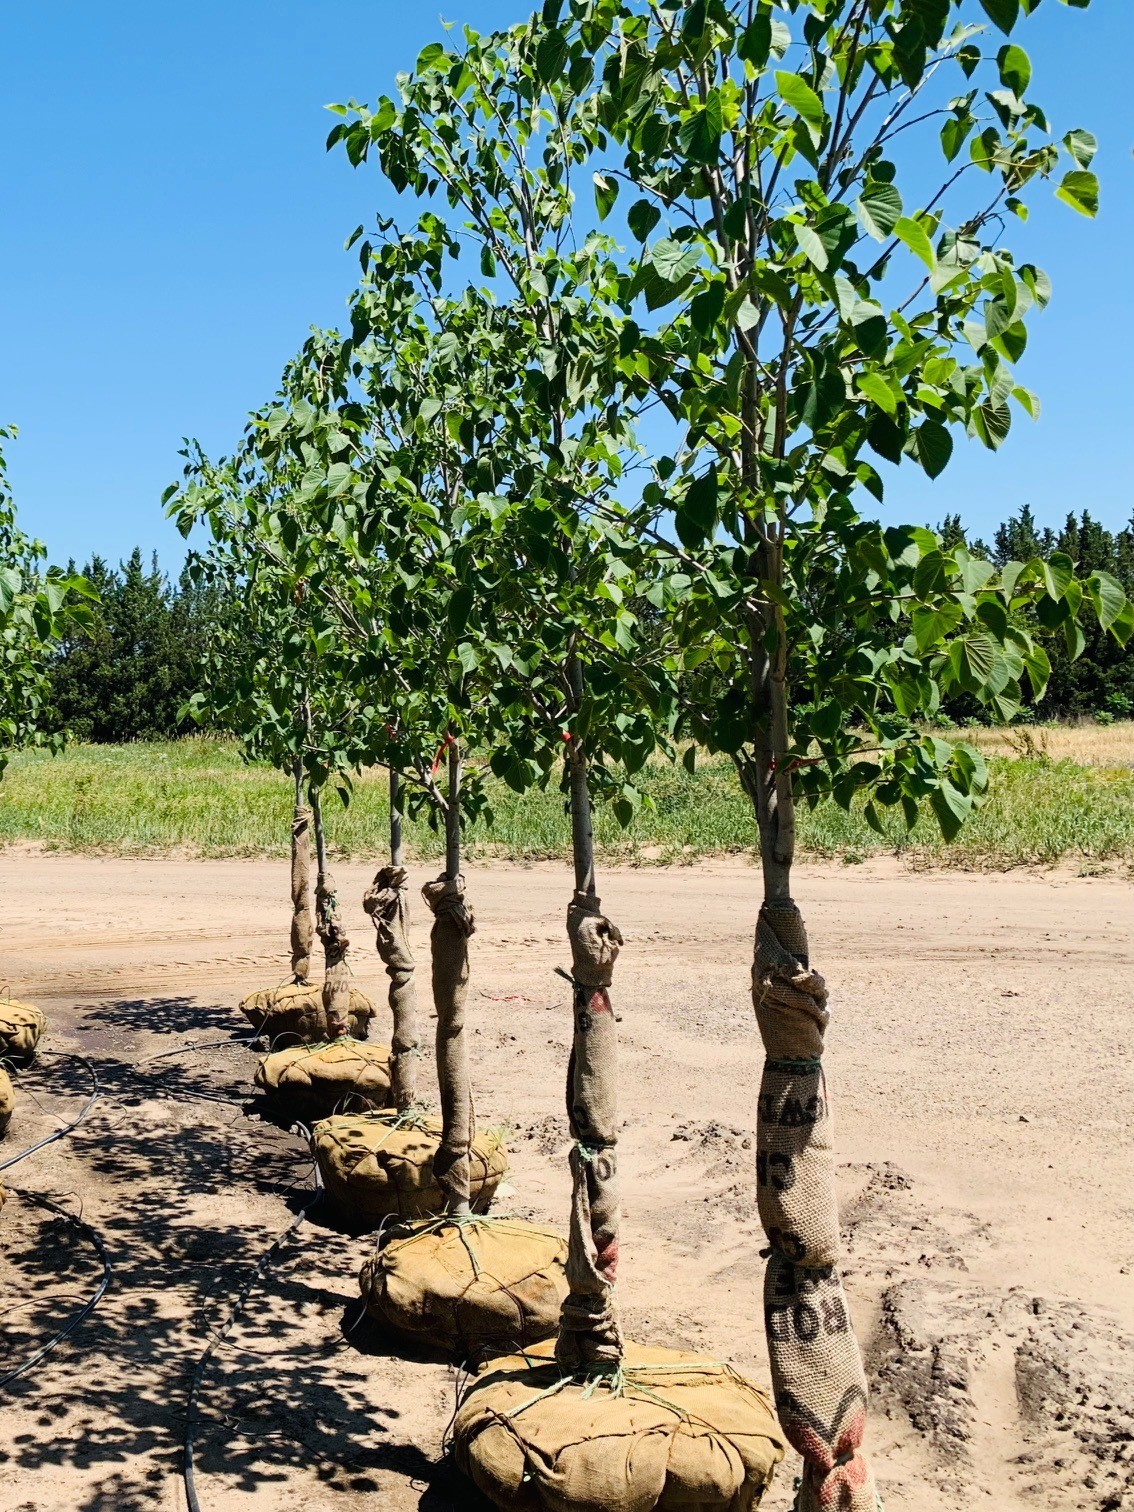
(817, 1374)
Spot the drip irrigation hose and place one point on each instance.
(41, 1144)
(85, 1311)
(220, 1336)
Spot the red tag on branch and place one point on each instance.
(445, 744)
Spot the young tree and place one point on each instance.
(807, 294)
(37, 608)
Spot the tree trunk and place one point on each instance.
(336, 982)
(817, 1373)
(302, 917)
(453, 923)
(590, 1335)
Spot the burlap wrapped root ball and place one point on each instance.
(294, 1014)
(380, 1165)
(468, 1287)
(21, 1027)
(673, 1431)
(7, 1101)
(315, 1081)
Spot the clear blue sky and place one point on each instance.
(172, 226)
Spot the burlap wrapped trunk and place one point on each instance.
(453, 925)
(387, 903)
(671, 1431)
(817, 1375)
(21, 1027)
(7, 1100)
(316, 1081)
(378, 1165)
(468, 1288)
(294, 1014)
(302, 914)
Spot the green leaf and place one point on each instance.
(797, 93)
(700, 132)
(878, 391)
(1108, 597)
(917, 240)
(1082, 145)
(933, 623)
(696, 515)
(551, 55)
(755, 43)
(606, 192)
(952, 808)
(933, 447)
(1080, 190)
(1005, 13)
(879, 208)
(642, 217)
(1015, 68)
(429, 56)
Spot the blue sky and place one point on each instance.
(172, 226)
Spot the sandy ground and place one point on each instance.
(981, 1070)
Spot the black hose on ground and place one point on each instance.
(220, 1336)
(41, 1144)
(96, 1239)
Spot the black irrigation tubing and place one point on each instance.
(85, 1311)
(41, 1144)
(219, 1337)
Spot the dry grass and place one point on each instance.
(1087, 744)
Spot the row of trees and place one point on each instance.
(132, 672)
(568, 495)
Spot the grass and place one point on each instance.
(197, 797)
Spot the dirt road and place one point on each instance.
(981, 1070)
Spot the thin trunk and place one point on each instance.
(302, 914)
(453, 923)
(397, 848)
(590, 1336)
(336, 982)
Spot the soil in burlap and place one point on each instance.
(817, 1374)
(380, 1165)
(468, 1288)
(21, 1027)
(672, 1431)
(316, 1081)
(294, 1014)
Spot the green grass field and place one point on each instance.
(197, 797)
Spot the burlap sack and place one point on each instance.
(673, 1431)
(817, 1374)
(453, 925)
(21, 1026)
(302, 917)
(590, 1331)
(315, 1081)
(7, 1101)
(469, 1288)
(294, 1014)
(387, 903)
(378, 1165)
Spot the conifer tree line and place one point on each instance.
(131, 674)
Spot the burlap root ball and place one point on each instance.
(7, 1101)
(471, 1288)
(680, 1433)
(294, 1014)
(375, 1165)
(21, 1027)
(315, 1081)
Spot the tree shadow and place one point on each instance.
(189, 1193)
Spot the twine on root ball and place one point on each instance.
(21, 1028)
(293, 1013)
(381, 1165)
(817, 1374)
(317, 1081)
(661, 1429)
(467, 1285)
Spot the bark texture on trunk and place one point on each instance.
(387, 903)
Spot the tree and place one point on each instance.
(37, 608)
(797, 309)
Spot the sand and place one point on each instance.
(981, 1072)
